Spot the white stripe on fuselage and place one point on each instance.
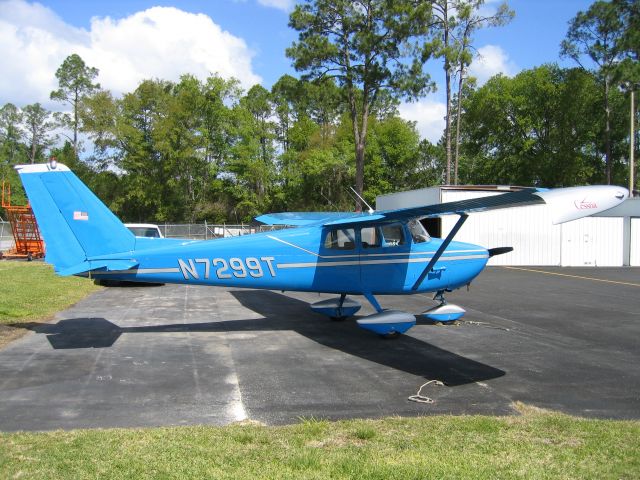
(378, 262)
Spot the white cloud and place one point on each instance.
(285, 5)
(429, 117)
(488, 8)
(161, 42)
(490, 61)
(165, 42)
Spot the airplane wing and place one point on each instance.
(505, 200)
(301, 218)
(565, 203)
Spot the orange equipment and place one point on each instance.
(28, 242)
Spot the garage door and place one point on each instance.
(592, 241)
(634, 261)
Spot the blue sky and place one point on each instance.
(134, 39)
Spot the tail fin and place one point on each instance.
(75, 224)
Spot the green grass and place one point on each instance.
(535, 445)
(30, 291)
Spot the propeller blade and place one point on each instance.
(499, 251)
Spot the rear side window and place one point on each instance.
(340, 239)
(370, 237)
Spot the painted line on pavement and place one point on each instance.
(575, 276)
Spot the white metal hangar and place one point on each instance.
(610, 239)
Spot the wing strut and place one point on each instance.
(440, 251)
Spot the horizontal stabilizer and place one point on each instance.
(90, 265)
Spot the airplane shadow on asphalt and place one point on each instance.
(281, 312)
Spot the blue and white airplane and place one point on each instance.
(369, 254)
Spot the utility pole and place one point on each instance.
(631, 88)
(631, 145)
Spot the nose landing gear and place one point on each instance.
(445, 312)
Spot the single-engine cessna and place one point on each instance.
(371, 253)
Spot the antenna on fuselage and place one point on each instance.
(371, 210)
(333, 205)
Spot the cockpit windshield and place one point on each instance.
(418, 232)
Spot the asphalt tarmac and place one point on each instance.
(566, 339)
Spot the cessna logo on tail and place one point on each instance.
(585, 204)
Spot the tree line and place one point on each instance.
(205, 149)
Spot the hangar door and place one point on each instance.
(593, 242)
(634, 259)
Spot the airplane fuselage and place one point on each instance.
(367, 253)
(353, 260)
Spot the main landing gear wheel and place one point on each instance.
(391, 335)
(388, 323)
(337, 309)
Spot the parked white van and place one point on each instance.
(148, 230)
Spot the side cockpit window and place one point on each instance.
(418, 232)
(393, 235)
(340, 239)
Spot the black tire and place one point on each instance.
(391, 335)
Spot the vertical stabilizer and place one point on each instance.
(75, 224)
